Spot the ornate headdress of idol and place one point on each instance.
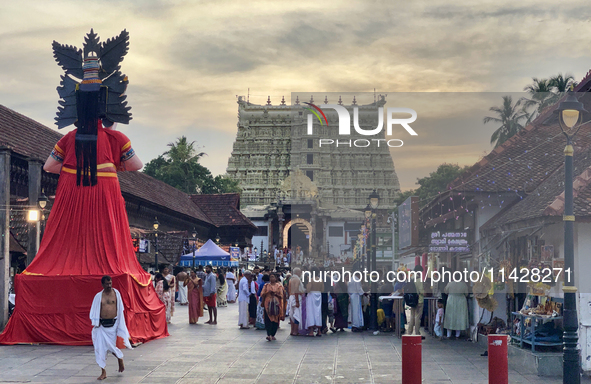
(92, 90)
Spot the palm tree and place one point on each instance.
(510, 116)
(182, 151)
(184, 163)
(562, 83)
(541, 94)
(546, 92)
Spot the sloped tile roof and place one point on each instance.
(531, 163)
(548, 198)
(525, 160)
(581, 184)
(145, 187)
(25, 136)
(223, 209)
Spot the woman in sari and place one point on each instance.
(195, 294)
(222, 289)
(159, 286)
(273, 297)
(260, 321)
(162, 290)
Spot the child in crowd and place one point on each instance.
(439, 320)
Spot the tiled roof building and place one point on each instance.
(527, 164)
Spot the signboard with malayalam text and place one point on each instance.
(449, 241)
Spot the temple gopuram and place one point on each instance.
(301, 191)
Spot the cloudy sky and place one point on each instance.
(189, 60)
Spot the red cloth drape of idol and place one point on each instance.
(87, 236)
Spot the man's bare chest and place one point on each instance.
(110, 300)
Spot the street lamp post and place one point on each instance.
(156, 225)
(42, 201)
(194, 234)
(374, 202)
(570, 114)
(365, 262)
(392, 220)
(359, 239)
(36, 216)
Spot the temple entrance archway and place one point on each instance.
(301, 233)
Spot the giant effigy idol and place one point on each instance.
(87, 233)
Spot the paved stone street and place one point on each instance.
(224, 354)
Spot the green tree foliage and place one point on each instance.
(180, 168)
(511, 118)
(541, 96)
(224, 184)
(546, 92)
(562, 83)
(430, 186)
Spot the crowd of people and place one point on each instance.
(266, 297)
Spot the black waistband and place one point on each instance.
(108, 323)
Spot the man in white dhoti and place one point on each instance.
(243, 300)
(314, 303)
(183, 290)
(356, 292)
(231, 281)
(296, 295)
(108, 321)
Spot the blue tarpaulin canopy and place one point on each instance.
(208, 254)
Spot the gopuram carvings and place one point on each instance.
(272, 144)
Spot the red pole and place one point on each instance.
(498, 360)
(411, 359)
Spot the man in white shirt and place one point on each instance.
(243, 300)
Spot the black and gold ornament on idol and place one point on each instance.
(92, 90)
